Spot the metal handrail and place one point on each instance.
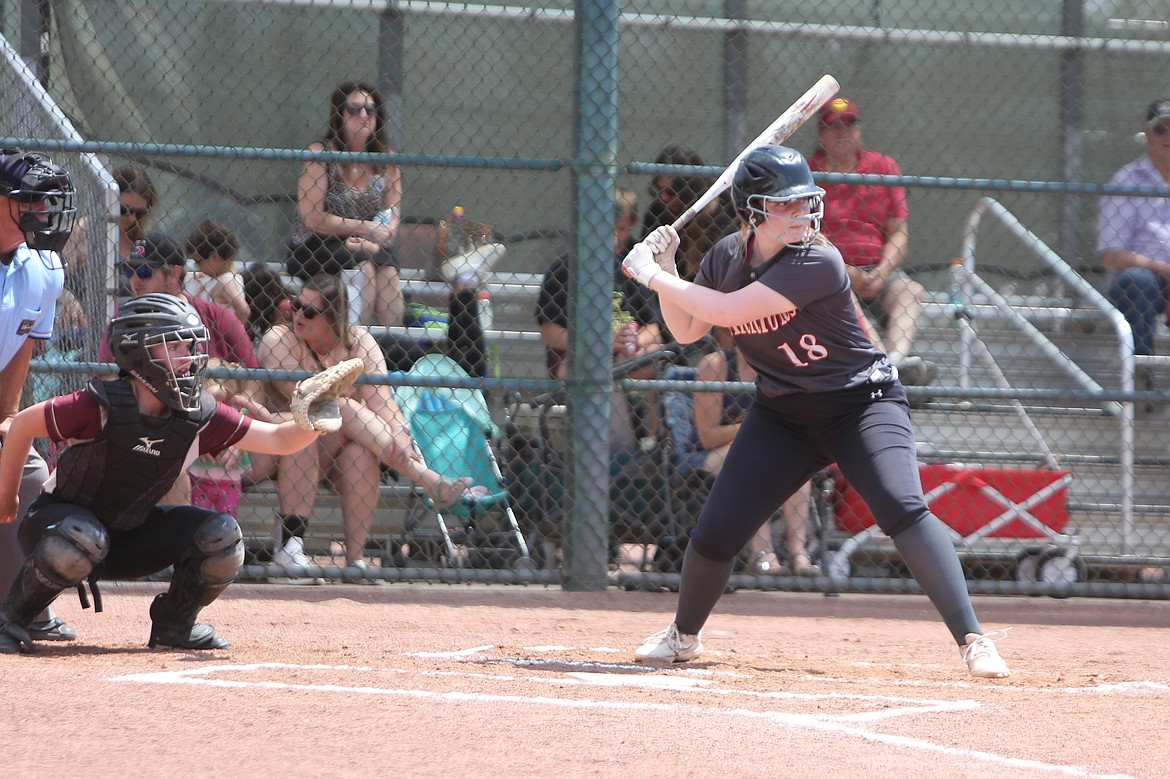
(1077, 284)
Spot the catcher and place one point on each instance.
(130, 438)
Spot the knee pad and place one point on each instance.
(70, 549)
(219, 548)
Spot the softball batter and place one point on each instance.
(824, 394)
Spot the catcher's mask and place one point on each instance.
(161, 341)
(777, 174)
(32, 179)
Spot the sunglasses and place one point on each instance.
(142, 271)
(309, 312)
(1160, 128)
(353, 109)
(137, 212)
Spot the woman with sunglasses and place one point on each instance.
(348, 212)
(373, 431)
(136, 200)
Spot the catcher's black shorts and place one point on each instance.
(162, 540)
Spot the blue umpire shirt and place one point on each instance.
(29, 287)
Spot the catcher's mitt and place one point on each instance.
(314, 401)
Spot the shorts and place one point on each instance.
(329, 255)
(222, 495)
(876, 308)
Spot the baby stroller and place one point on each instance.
(453, 433)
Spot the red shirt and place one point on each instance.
(856, 214)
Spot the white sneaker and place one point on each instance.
(293, 553)
(671, 646)
(983, 658)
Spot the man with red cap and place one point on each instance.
(868, 224)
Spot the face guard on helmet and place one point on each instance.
(777, 174)
(161, 341)
(48, 220)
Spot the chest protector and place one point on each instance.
(123, 473)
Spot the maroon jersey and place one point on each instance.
(78, 417)
(819, 347)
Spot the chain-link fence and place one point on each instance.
(478, 225)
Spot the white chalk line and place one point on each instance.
(837, 724)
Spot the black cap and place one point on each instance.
(1159, 110)
(156, 250)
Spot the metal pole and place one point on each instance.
(590, 336)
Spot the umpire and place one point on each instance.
(36, 218)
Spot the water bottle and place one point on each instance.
(485, 309)
(956, 289)
(385, 216)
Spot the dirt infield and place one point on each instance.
(444, 681)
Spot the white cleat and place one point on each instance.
(983, 658)
(670, 646)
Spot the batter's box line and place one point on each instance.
(199, 676)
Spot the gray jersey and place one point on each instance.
(819, 347)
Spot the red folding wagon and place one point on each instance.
(992, 512)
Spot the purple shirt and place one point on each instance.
(1139, 224)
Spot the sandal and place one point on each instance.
(803, 566)
(764, 562)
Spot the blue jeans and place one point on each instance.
(1140, 296)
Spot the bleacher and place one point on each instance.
(1084, 436)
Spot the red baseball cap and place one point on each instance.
(838, 109)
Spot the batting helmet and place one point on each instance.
(28, 177)
(143, 338)
(779, 174)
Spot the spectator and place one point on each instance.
(269, 299)
(1133, 237)
(552, 306)
(823, 394)
(102, 515)
(348, 212)
(136, 200)
(213, 247)
(36, 219)
(634, 473)
(868, 223)
(217, 480)
(672, 194)
(373, 429)
(718, 416)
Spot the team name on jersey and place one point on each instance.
(768, 324)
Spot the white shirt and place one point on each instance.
(29, 287)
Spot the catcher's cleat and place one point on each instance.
(52, 629)
(670, 646)
(14, 639)
(983, 658)
(198, 636)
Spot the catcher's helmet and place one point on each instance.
(779, 174)
(143, 336)
(28, 177)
